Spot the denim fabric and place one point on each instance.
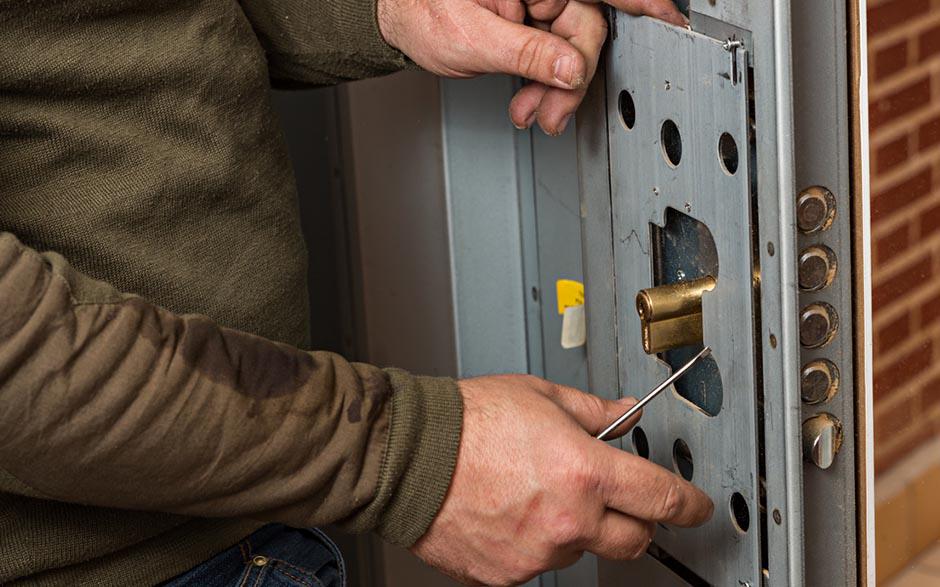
(274, 556)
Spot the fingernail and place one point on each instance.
(564, 70)
(563, 124)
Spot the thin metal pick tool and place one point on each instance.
(656, 391)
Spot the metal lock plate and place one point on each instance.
(679, 145)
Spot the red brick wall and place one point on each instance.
(904, 85)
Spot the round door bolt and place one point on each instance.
(817, 268)
(819, 381)
(815, 209)
(822, 439)
(818, 325)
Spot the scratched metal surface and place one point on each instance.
(686, 77)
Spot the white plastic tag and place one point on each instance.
(573, 327)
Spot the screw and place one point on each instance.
(688, 206)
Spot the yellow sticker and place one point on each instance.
(570, 293)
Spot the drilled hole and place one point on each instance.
(682, 458)
(627, 109)
(641, 445)
(671, 142)
(728, 153)
(740, 513)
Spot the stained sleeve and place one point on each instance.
(109, 400)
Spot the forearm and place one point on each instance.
(112, 401)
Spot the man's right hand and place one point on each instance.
(533, 489)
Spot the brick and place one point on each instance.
(929, 43)
(902, 194)
(930, 394)
(890, 60)
(891, 378)
(893, 333)
(894, 13)
(929, 222)
(915, 435)
(889, 422)
(890, 155)
(904, 100)
(896, 287)
(892, 244)
(930, 311)
(928, 135)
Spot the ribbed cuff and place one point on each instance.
(363, 18)
(424, 436)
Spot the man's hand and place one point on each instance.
(533, 489)
(558, 52)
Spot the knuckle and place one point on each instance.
(528, 58)
(565, 530)
(579, 476)
(641, 543)
(597, 408)
(671, 503)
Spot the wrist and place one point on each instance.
(384, 15)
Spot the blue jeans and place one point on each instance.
(274, 556)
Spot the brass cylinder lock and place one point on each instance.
(671, 315)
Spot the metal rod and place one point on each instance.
(655, 391)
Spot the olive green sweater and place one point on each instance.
(150, 257)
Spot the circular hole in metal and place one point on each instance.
(773, 341)
(728, 153)
(682, 459)
(641, 445)
(627, 109)
(778, 519)
(671, 142)
(740, 513)
(770, 249)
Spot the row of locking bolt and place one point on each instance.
(819, 323)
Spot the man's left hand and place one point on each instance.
(554, 43)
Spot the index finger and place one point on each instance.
(662, 9)
(639, 488)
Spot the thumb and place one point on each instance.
(517, 49)
(591, 412)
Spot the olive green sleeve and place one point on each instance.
(312, 43)
(109, 400)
